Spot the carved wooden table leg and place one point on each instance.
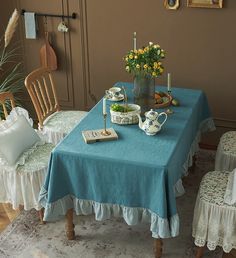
(158, 247)
(199, 253)
(70, 233)
(41, 213)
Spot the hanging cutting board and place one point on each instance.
(48, 56)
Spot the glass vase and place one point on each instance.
(144, 90)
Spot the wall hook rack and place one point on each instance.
(73, 16)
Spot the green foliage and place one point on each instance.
(11, 78)
(121, 108)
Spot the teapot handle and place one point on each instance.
(163, 113)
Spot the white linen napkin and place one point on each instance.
(30, 26)
(230, 193)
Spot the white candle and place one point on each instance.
(104, 107)
(168, 82)
(135, 41)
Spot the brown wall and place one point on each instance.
(200, 46)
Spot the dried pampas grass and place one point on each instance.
(11, 27)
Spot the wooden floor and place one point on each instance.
(7, 215)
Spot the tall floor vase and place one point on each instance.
(144, 90)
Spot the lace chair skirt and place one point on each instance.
(226, 152)
(22, 185)
(214, 222)
(59, 124)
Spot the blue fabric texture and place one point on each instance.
(136, 171)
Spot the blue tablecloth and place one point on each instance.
(133, 177)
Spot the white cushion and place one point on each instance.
(16, 139)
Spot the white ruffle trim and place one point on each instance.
(160, 228)
(230, 192)
(224, 161)
(11, 118)
(206, 126)
(214, 225)
(22, 188)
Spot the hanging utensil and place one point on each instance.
(48, 56)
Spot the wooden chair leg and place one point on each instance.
(158, 248)
(200, 251)
(41, 213)
(70, 233)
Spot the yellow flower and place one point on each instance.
(162, 55)
(161, 70)
(131, 56)
(145, 66)
(127, 59)
(135, 51)
(146, 49)
(156, 46)
(127, 68)
(135, 57)
(140, 51)
(137, 66)
(155, 65)
(150, 43)
(154, 74)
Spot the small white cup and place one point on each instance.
(113, 93)
(62, 27)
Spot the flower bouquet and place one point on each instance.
(146, 65)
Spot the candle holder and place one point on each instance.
(169, 111)
(105, 132)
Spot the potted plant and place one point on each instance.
(125, 113)
(11, 78)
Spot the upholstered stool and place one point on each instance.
(226, 152)
(214, 222)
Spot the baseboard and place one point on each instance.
(207, 146)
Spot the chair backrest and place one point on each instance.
(6, 99)
(41, 88)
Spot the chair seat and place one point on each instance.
(214, 221)
(226, 152)
(59, 124)
(22, 186)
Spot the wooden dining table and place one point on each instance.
(136, 177)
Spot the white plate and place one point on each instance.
(121, 97)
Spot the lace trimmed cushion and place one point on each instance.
(22, 185)
(214, 221)
(59, 124)
(226, 152)
(17, 138)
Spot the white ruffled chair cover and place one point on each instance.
(214, 222)
(21, 185)
(226, 152)
(60, 123)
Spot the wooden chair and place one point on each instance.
(52, 122)
(6, 97)
(214, 221)
(20, 186)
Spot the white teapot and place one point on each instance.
(151, 125)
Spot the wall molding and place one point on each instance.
(86, 65)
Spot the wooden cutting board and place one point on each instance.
(48, 56)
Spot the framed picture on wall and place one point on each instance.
(171, 4)
(205, 3)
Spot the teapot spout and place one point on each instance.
(140, 122)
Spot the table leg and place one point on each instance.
(70, 233)
(158, 247)
(41, 213)
(199, 253)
